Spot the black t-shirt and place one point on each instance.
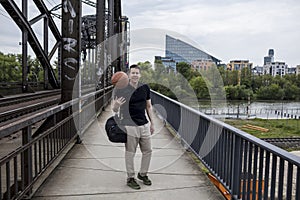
(133, 110)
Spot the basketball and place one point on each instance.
(120, 80)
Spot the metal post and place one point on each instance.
(71, 47)
(282, 108)
(88, 70)
(236, 168)
(100, 37)
(24, 50)
(248, 107)
(118, 38)
(59, 63)
(110, 42)
(27, 165)
(46, 72)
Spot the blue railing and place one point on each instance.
(246, 166)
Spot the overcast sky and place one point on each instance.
(226, 29)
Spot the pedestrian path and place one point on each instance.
(95, 169)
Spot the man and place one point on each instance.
(132, 102)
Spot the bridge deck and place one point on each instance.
(95, 169)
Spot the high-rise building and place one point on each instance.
(276, 68)
(270, 57)
(181, 51)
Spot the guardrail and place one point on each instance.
(20, 169)
(246, 166)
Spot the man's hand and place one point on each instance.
(117, 103)
(151, 128)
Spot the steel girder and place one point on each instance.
(94, 29)
(16, 14)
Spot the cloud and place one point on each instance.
(11, 35)
(227, 29)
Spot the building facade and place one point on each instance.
(167, 62)
(239, 65)
(202, 64)
(291, 70)
(181, 51)
(257, 70)
(276, 68)
(298, 70)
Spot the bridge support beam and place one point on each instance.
(71, 57)
(71, 47)
(24, 50)
(100, 37)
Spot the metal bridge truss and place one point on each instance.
(95, 33)
(28, 36)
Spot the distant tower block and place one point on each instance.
(270, 57)
(271, 52)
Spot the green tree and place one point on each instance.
(257, 82)
(280, 81)
(246, 77)
(291, 91)
(36, 73)
(200, 88)
(245, 92)
(293, 79)
(208, 84)
(224, 73)
(232, 92)
(184, 69)
(145, 66)
(10, 69)
(232, 77)
(270, 92)
(267, 80)
(147, 72)
(238, 92)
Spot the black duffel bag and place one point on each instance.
(115, 131)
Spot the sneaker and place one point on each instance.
(145, 179)
(133, 184)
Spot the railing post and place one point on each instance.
(236, 168)
(27, 165)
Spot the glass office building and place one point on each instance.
(167, 62)
(181, 51)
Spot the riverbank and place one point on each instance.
(278, 128)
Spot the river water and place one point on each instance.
(259, 109)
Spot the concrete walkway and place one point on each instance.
(95, 169)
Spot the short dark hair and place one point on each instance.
(134, 66)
